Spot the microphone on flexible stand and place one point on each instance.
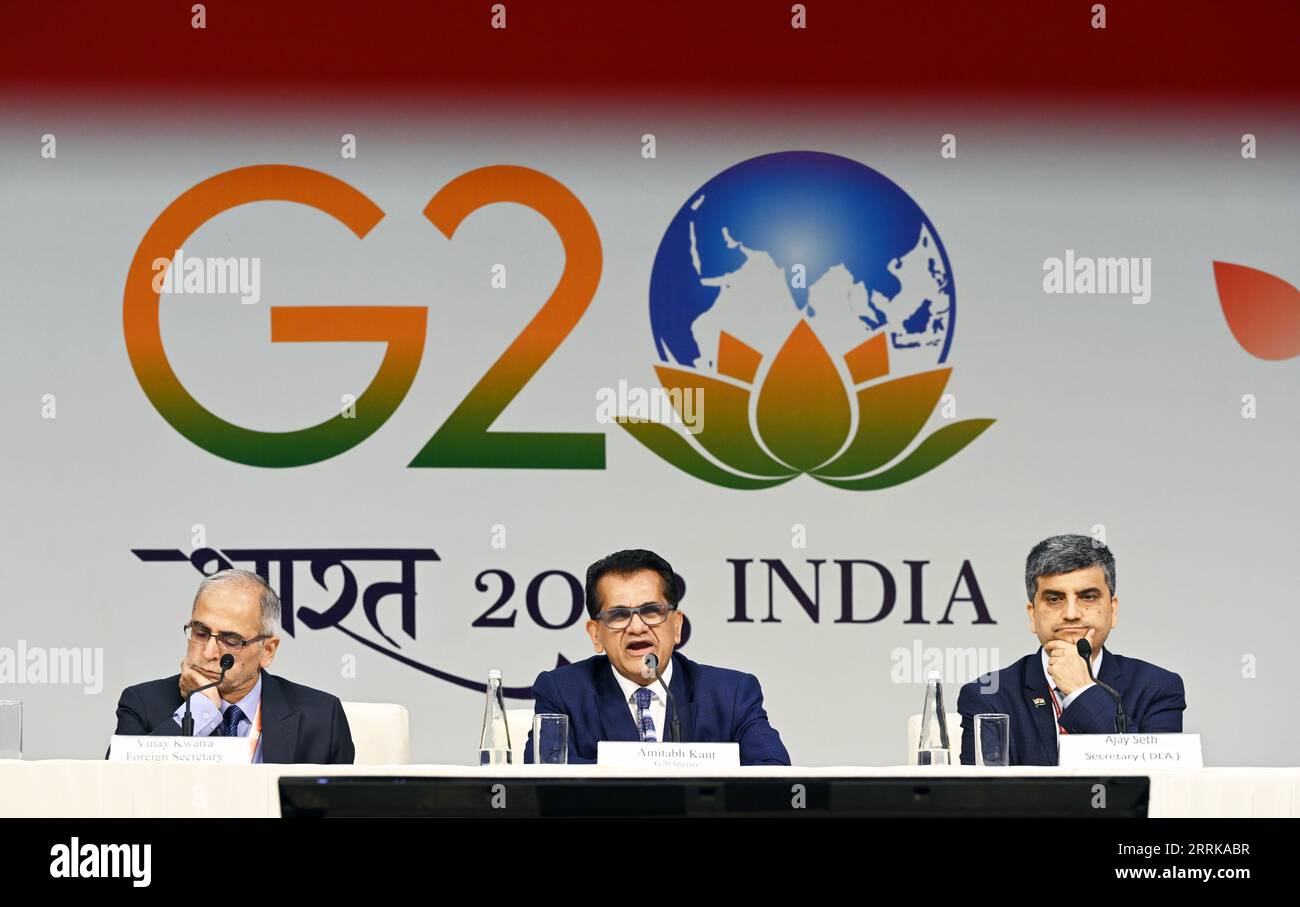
(674, 727)
(1121, 720)
(187, 720)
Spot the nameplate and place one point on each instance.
(667, 755)
(190, 750)
(1139, 750)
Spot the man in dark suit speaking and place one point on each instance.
(236, 613)
(632, 600)
(1071, 584)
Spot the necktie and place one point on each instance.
(230, 721)
(1056, 707)
(645, 723)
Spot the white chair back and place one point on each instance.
(381, 732)
(520, 723)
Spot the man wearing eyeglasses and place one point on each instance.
(237, 613)
(1070, 580)
(632, 601)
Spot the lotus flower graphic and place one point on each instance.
(798, 252)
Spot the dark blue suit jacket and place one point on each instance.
(714, 705)
(299, 724)
(1153, 700)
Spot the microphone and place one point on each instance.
(675, 727)
(187, 720)
(1121, 720)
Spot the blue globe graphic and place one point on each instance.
(801, 234)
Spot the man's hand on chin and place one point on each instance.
(191, 680)
(1069, 672)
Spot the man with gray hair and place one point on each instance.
(1070, 581)
(237, 613)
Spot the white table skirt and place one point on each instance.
(75, 788)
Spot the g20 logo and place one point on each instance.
(464, 439)
(804, 296)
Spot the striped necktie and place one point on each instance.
(230, 721)
(645, 723)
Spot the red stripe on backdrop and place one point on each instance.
(1041, 50)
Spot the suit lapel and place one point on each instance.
(615, 714)
(280, 723)
(1112, 670)
(1038, 700)
(683, 689)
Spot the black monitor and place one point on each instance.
(495, 795)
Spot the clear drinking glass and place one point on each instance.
(993, 740)
(550, 739)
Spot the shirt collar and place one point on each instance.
(631, 686)
(1096, 666)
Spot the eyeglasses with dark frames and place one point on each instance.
(653, 614)
(231, 642)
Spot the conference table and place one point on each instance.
(96, 788)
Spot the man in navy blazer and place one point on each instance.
(236, 613)
(1071, 584)
(632, 599)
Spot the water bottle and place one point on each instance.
(494, 744)
(933, 748)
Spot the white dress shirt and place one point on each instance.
(1061, 697)
(658, 707)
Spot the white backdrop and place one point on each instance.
(1111, 416)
